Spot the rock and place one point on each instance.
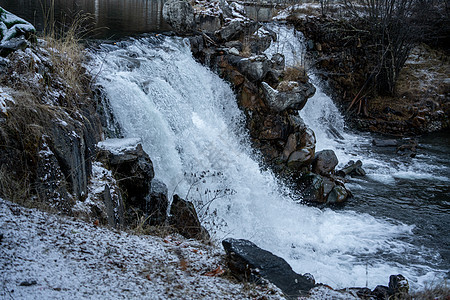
(197, 44)
(380, 292)
(233, 51)
(114, 209)
(231, 31)
(179, 14)
(249, 262)
(72, 145)
(311, 187)
(294, 98)
(131, 167)
(278, 61)
(50, 182)
(352, 168)
(398, 287)
(183, 217)
(337, 195)
(208, 23)
(385, 143)
(12, 26)
(28, 283)
(324, 162)
(12, 45)
(255, 67)
(157, 203)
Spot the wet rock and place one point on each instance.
(352, 168)
(294, 96)
(131, 166)
(179, 14)
(337, 195)
(231, 31)
(249, 262)
(324, 162)
(157, 203)
(311, 187)
(183, 217)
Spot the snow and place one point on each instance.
(45, 256)
(9, 18)
(4, 98)
(118, 146)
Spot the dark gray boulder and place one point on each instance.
(132, 168)
(179, 14)
(183, 218)
(249, 262)
(324, 162)
(337, 195)
(311, 187)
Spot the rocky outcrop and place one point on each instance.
(248, 262)
(270, 94)
(179, 14)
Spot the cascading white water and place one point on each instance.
(189, 122)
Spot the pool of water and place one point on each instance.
(108, 19)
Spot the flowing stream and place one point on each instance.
(189, 123)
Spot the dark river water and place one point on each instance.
(414, 191)
(108, 19)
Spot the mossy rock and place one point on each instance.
(12, 26)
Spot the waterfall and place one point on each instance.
(192, 128)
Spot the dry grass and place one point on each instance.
(440, 291)
(296, 73)
(48, 84)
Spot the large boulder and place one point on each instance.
(255, 67)
(179, 14)
(184, 219)
(324, 162)
(14, 32)
(311, 187)
(249, 262)
(288, 95)
(132, 168)
(300, 149)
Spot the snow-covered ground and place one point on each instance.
(45, 256)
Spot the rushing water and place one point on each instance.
(413, 191)
(108, 18)
(189, 123)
